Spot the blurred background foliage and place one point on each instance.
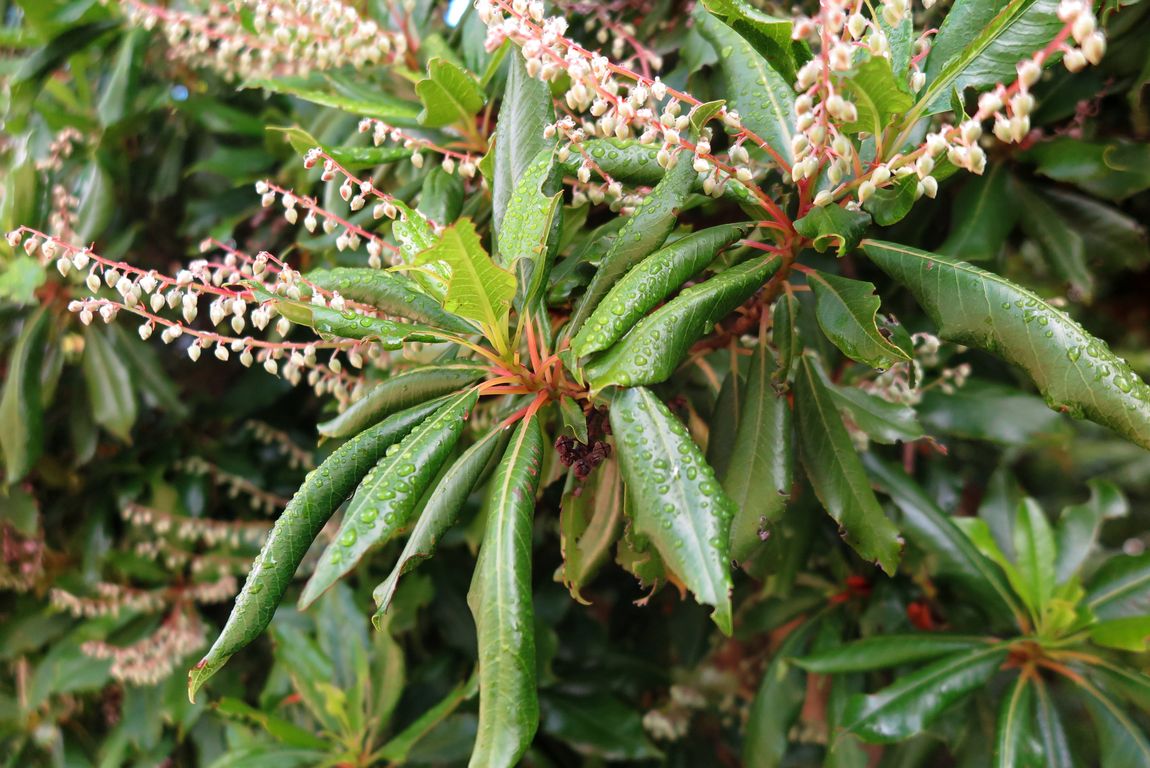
(137, 484)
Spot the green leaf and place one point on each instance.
(301, 521)
(650, 282)
(877, 95)
(1080, 524)
(574, 420)
(525, 111)
(982, 217)
(400, 391)
(847, 312)
(832, 224)
(1075, 371)
(20, 279)
(120, 86)
(676, 502)
(597, 725)
(1123, 742)
(1055, 748)
(1113, 170)
(346, 323)
(778, 701)
(701, 114)
(643, 232)
(590, 523)
(398, 748)
(933, 531)
(21, 404)
(500, 601)
(837, 474)
(978, 45)
(975, 413)
(477, 289)
(885, 651)
(281, 730)
(440, 512)
(1015, 745)
(881, 420)
(389, 292)
(528, 237)
(785, 334)
(109, 384)
(1034, 554)
(760, 472)
(449, 94)
(386, 498)
(656, 346)
(326, 92)
(1065, 249)
(1126, 634)
(763, 98)
(1121, 587)
(890, 204)
(97, 202)
(770, 36)
(908, 706)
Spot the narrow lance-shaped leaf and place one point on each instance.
(905, 708)
(644, 231)
(528, 237)
(759, 474)
(1122, 740)
(846, 310)
(526, 110)
(836, 473)
(785, 334)
(440, 512)
(401, 391)
(1015, 745)
(676, 501)
(1080, 524)
(1034, 554)
(885, 651)
(500, 601)
(389, 292)
(983, 217)
(383, 502)
(449, 93)
(21, 411)
(109, 384)
(310, 508)
(770, 36)
(778, 701)
(1055, 747)
(348, 324)
(590, 523)
(653, 280)
(1075, 372)
(1121, 587)
(326, 93)
(652, 351)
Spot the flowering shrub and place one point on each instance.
(598, 270)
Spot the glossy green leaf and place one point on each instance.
(975, 413)
(836, 473)
(573, 418)
(528, 236)
(978, 44)
(389, 292)
(97, 202)
(763, 98)
(760, 472)
(525, 111)
(829, 225)
(877, 95)
(1076, 372)
(881, 420)
(1113, 170)
(643, 232)
(440, 512)
(676, 501)
(656, 346)
(120, 86)
(650, 282)
(1121, 587)
(1123, 741)
(590, 524)
(477, 288)
(386, 498)
(399, 747)
(348, 324)
(1054, 745)
(1130, 633)
(327, 93)
(109, 384)
(21, 405)
(500, 601)
(1065, 249)
(847, 312)
(983, 216)
(297, 526)
(598, 725)
(701, 114)
(1015, 745)
(785, 334)
(885, 651)
(778, 701)
(400, 391)
(933, 531)
(768, 35)
(890, 204)
(1080, 524)
(450, 95)
(1034, 554)
(906, 707)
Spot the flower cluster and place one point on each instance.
(235, 486)
(21, 559)
(297, 457)
(61, 147)
(291, 37)
(207, 531)
(156, 656)
(451, 160)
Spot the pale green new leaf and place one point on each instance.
(1015, 744)
(528, 236)
(390, 292)
(877, 95)
(450, 95)
(526, 110)
(1034, 554)
(1076, 372)
(590, 523)
(500, 601)
(328, 92)
(677, 503)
